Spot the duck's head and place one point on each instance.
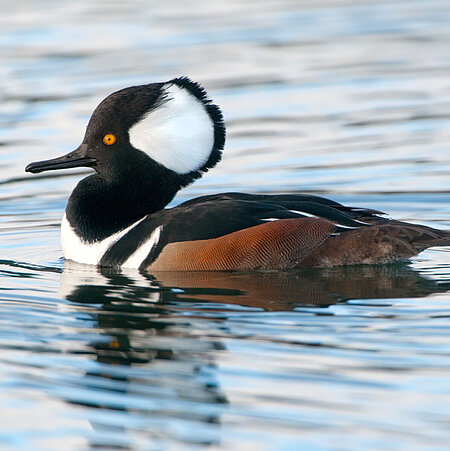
(169, 128)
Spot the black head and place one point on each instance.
(171, 127)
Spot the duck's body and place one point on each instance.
(146, 143)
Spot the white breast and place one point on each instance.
(81, 251)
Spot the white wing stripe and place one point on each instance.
(309, 215)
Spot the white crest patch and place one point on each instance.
(179, 134)
(80, 251)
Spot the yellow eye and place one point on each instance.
(109, 139)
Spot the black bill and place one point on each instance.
(74, 159)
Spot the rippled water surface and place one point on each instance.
(344, 98)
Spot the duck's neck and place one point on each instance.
(97, 208)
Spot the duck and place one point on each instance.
(145, 143)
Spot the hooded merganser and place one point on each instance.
(146, 143)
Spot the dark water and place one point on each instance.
(343, 98)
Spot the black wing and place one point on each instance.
(213, 216)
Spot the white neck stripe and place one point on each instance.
(141, 253)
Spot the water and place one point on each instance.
(342, 98)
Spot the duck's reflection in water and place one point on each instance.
(152, 368)
(275, 291)
(161, 329)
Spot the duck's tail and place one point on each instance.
(384, 243)
(422, 237)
